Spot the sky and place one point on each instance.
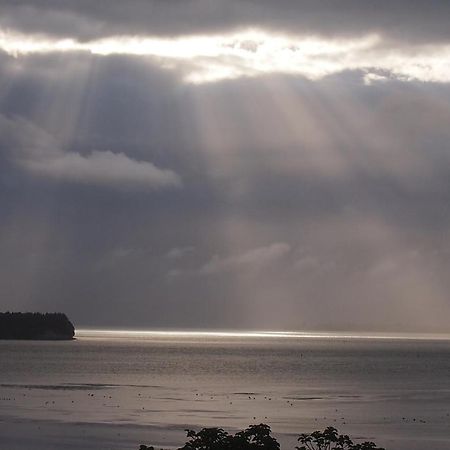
(239, 164)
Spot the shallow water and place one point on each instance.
(112, 389)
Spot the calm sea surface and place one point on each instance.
(115, 390)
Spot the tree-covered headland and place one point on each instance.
(48, 326)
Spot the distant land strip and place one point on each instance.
(36, 326)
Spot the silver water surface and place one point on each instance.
(395, 390)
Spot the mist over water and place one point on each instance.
(123, 388)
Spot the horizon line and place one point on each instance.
(143, 333)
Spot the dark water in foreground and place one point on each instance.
(117, 390)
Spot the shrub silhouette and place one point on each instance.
(258, 437)
(329, 439)
(208, 439)
(255, 437)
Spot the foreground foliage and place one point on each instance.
(258, 437)
(329, 439)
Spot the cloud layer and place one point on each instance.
(104, 168)
(287, 163)
(403, 20)
(37, 152)
(253, 259)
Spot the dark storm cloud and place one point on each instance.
(404, 20)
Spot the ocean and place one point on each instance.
(115, 390)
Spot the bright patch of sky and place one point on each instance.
(251, 53)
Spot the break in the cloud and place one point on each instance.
(257, 52)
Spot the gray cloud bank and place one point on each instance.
(37, 152)
(404, 20)
(254, 258)
(104, 168)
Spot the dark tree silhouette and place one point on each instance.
(258, 437)
(329, 439)
(255, 437)
(208, 439)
